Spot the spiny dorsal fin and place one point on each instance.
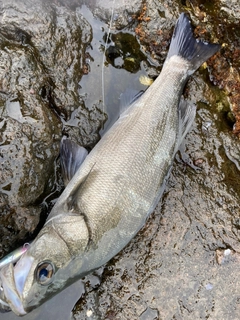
(127, 98)
(71, 157)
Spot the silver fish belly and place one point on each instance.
(116, 187)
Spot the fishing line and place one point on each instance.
(105, 49)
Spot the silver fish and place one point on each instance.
(117, 186)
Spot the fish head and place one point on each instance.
(46, 268)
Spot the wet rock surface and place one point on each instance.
(184, 263)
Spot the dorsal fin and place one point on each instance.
(127, 98)
(71, 157)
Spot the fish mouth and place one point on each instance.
(12, 281)
(4, 306)
(10, 296)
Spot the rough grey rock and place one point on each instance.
(231, 8)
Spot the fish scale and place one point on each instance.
(134, 146)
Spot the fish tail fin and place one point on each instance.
(184, 44)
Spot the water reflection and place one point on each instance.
(102, 85)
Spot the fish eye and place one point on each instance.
(44, 272)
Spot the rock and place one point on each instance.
(232, 10)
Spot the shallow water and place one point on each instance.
(105, 83)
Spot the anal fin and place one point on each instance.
(187, 113)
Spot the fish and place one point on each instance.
(114, 188)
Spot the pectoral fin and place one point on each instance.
(71, 157)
